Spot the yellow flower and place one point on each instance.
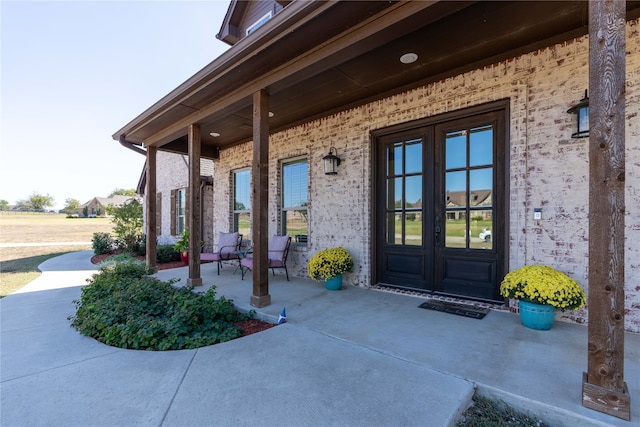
(329, 263)
(543, 285)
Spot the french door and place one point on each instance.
(440, 219)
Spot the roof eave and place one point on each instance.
(295, 13)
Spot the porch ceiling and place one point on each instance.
(319, 58)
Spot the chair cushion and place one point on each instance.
(227, 243)
(209, 256)
(247, 262)
(277, 246)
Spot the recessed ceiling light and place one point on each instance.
(214, 134)
(409, 58)
(271, 114)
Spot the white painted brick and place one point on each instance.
(548, 169)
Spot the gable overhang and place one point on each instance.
(318, 58)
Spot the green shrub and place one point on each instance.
(142, 246)
(127, 225)
(124, 307)
(102, 243)
(165, 253)
(124, 265)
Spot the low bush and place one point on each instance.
(165, 253)
(102, 243)
(124, 307)
(124, 265)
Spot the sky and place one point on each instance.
(73, 73)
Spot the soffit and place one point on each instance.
(337, 56)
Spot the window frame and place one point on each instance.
(284, 210)
(181, 210)
(235, 211)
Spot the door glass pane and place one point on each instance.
(394, 228)
(481, 226)
(456, 150)
(403, 203)
(413, 228)
(413, 191)
(394, 193)
(391, 159)
(455, 228)
(481, 146)
(413, 152)
(481, 187)
(397, 156)
(456, 186)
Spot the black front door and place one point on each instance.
(440, 207)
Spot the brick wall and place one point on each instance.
(547, 170)
(172, 174)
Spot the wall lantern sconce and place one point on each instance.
(581, 110)
(331, 162)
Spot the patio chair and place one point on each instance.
(278, 251)
(228, 249)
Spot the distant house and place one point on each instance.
(98, 205)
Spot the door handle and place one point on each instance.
(437, 230)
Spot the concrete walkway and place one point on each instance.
(354, 357)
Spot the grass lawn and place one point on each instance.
(19, 265)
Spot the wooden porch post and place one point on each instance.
(194, 206)
(260, 209)
(603, 386)
(151, 208)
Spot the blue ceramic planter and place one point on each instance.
(537, 316)
(334, 283)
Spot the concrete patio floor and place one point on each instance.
(349, 357)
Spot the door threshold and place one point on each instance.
(430, 295)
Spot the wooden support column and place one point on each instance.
(259, 204)
(150, 205)
(603, 386)
(194, 206)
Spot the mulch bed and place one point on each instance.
(250, 326)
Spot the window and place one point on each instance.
(242, 203)
(259, 23)
(469, 176)
(404, 176)
(181, 210)
(295, 189)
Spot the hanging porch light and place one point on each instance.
(581, 110)
(331, 162)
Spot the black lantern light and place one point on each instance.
(581, 110)
(331, 162)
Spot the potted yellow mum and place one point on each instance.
(541, 290)
(329, 265)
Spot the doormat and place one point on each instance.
(454, 308)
